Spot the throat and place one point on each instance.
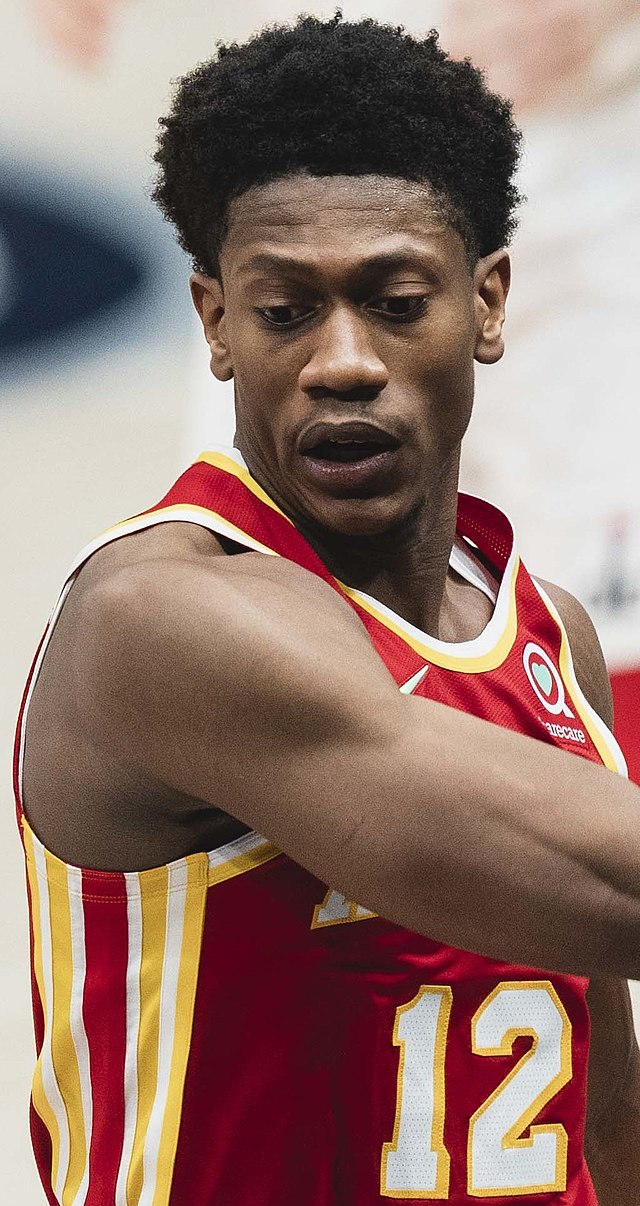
(416, 583)
(405, 579)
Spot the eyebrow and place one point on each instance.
(375, 265)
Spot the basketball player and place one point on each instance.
(314, 779)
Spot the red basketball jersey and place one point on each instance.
(229, 1031)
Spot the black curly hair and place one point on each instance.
(332, 98)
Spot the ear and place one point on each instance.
(491, 280)
(208, 299)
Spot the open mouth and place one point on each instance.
(348, 450)
(351, 458)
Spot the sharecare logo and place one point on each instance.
(564, 732)
(545, 680)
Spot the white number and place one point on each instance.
(415, 1163)
(335, 909)
(500, 1161)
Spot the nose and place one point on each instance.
(344, 358)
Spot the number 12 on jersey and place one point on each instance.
(415, 1163)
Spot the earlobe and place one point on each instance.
(492, 278)
(208, 299)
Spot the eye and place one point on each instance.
(281, 315)
(418, 305)
(280, 318)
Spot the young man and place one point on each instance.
(291, 892)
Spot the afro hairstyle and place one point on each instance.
(333, 98)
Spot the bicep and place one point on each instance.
(203, 676)
(256, 690)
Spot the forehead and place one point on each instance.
(342, 221)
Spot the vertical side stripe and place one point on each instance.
(154, 926)
(60, 1025)
(176, 899)
(39, 1097)
(84, 1114)
(104, 1012)
(134, 962)
(51, 1089)
(195, 902)
(63, 1031)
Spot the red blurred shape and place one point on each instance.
(626, 702)
(79, 28)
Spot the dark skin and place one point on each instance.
(345, 356)
(612, 1137)
(350, 357)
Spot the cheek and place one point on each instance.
(463, 339)
(260, 415)
(447, 383)
(447, 368)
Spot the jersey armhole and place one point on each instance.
(481, 556)
(230, 547)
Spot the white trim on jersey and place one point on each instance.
(578, 694)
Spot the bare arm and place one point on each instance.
(251, 685)
(612, 1138)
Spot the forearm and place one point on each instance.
(439, 821)
(614, 1164)
(477, 818)
(612, 1146)
(612, 1137)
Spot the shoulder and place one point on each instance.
(586, 651)
(155, 545)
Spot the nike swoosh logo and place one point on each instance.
(409, 687)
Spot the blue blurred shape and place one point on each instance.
(57, 272)
(86, 267)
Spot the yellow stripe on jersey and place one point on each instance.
(180, 512)
(184, 994)
(61, 1091)
(132, 994)
(153, 898)
(220, 461)
(39, 1096)
(78, 1032)
(166, 918)
(63, 1050)
(241, 862)
(433, 652)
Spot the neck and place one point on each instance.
(406, 567)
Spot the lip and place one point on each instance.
(352, 478)
(352, 429)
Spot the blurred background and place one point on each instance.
(105, 390)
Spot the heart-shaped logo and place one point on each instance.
(542, 675)
(546, 680)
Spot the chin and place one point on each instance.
(361, 517)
